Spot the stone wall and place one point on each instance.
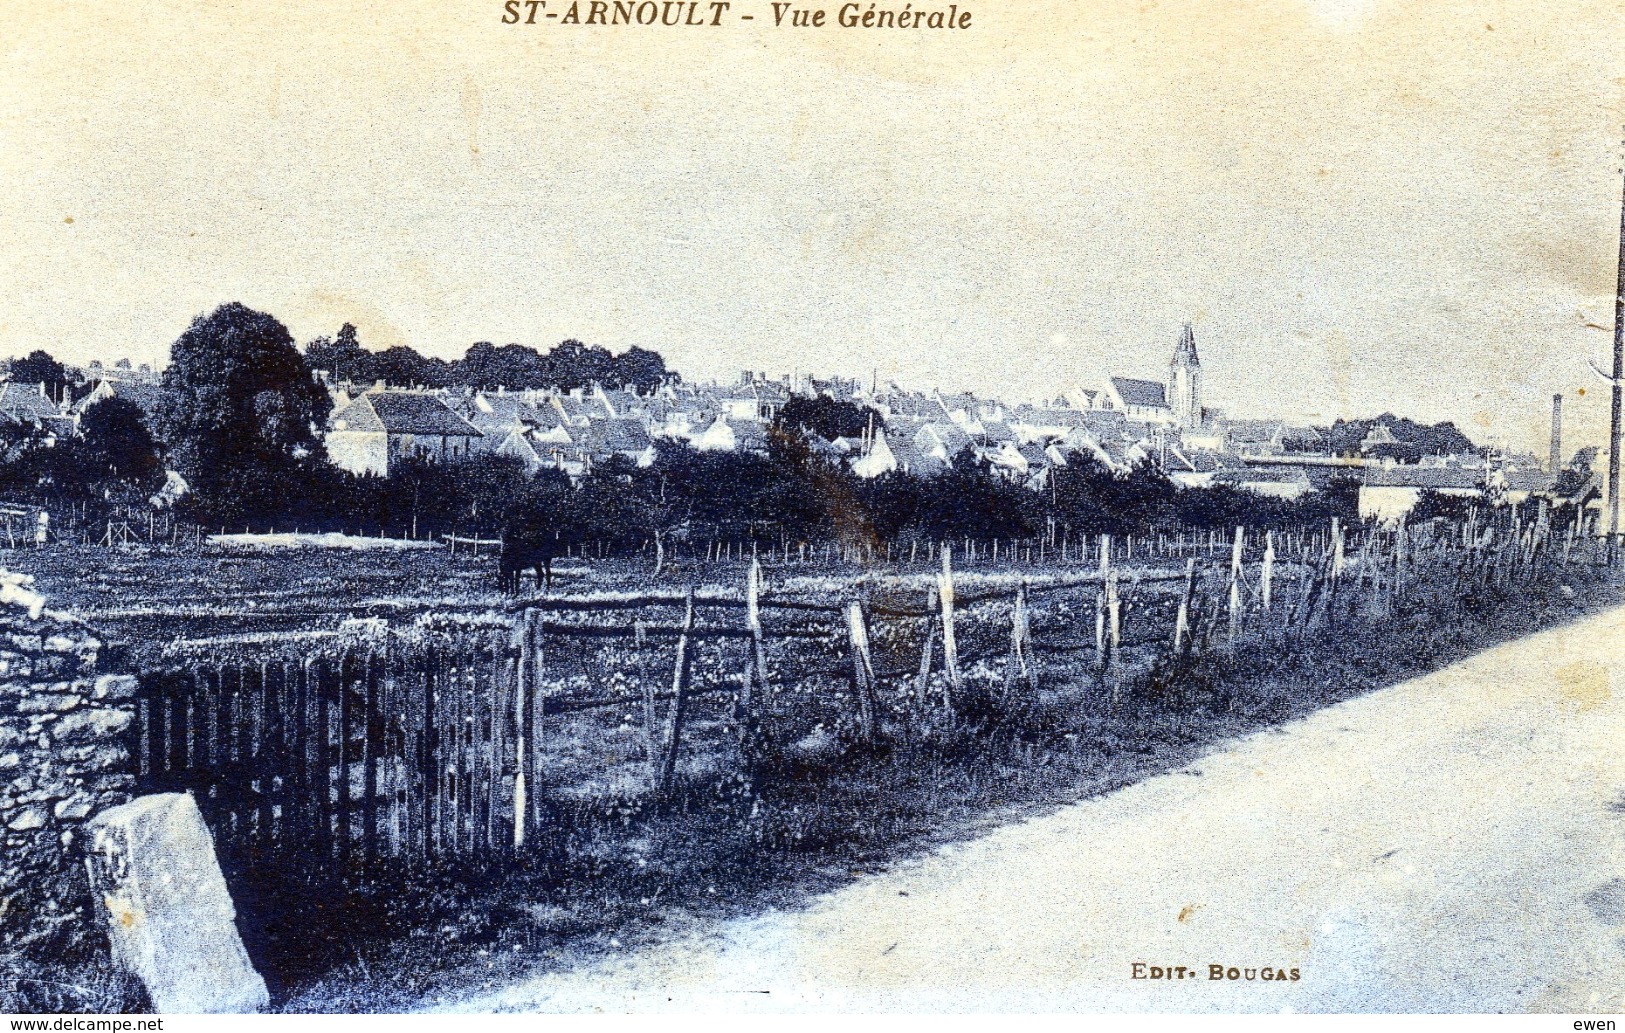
(64, 729)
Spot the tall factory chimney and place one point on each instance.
(1555, 466)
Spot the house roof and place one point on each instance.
(1262, 475)
(994, 430)
(401, 412)
(1408, 476)
(24, 401)
(913, 405)
(616, 436)
(911, 460)
(748, 434)
(143, 396)
(1104, 421)
(1034, 454)
(1252, 431)
(1147, 393)
(951, 437)
(620, 401)
(1526, 480)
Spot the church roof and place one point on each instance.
(1185, 352)
(1146, 393)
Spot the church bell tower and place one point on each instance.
(1185, 382)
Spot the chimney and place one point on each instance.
(1557, 435)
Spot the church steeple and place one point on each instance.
(1185, 354)
(1185, 381)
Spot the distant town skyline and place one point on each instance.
(1361, 206)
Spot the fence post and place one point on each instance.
(1182, 622)
(950, 650)
(534, 709)
(1114, 621)
(346, 823)
(753, 622)
(863, 670)
(1100, 632)
(1235, 583)
(520, 642)
(679, 698)
(1401, 547)
(930, 641)
(1013, 660)
(1267, 576)
(1337, 548)
(1105, 555)
(370, 722)
(1020, 643)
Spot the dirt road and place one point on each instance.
(1453, 843)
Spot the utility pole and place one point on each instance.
(1614, 386)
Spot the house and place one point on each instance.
(380, 428)
(941, 440)
(1196, 468)
(1377, 437)
(1514, 486)
(876, 459)
(1389, 493)
(910, 459)
(618, 403)
(619, 437)
(1007, 459)
(1082, 398)
(1271, 437)
(729, 435)
(1035, 425)
(1145, 400)
(496, 414)
(521, 446)
(26, 412)
(142, 394)
(573, 409)
(1279, 482)
(749, 435)
(909, 404)
(997, 432)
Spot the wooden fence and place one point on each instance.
(427, 742)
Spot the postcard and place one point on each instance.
(727, 506)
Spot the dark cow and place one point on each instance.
(528, 550)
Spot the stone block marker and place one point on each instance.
(170, 918)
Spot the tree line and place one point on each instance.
(487, 366)
(241, 419)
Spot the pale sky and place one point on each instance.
(1362, 205)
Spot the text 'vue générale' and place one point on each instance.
(717, 13)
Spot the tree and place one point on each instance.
(829, 418)
(342, 356)
(116, 446)
(487, 366)
(573, 364)
(1413, 440)
(641, 370)
(240, 409)
(39, 368)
